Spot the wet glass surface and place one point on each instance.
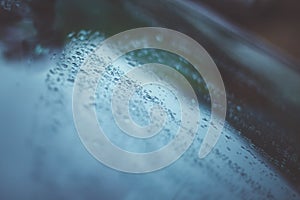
(43, 157)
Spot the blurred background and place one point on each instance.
(255, 44)
(274, 21)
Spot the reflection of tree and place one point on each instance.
(27, 27)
